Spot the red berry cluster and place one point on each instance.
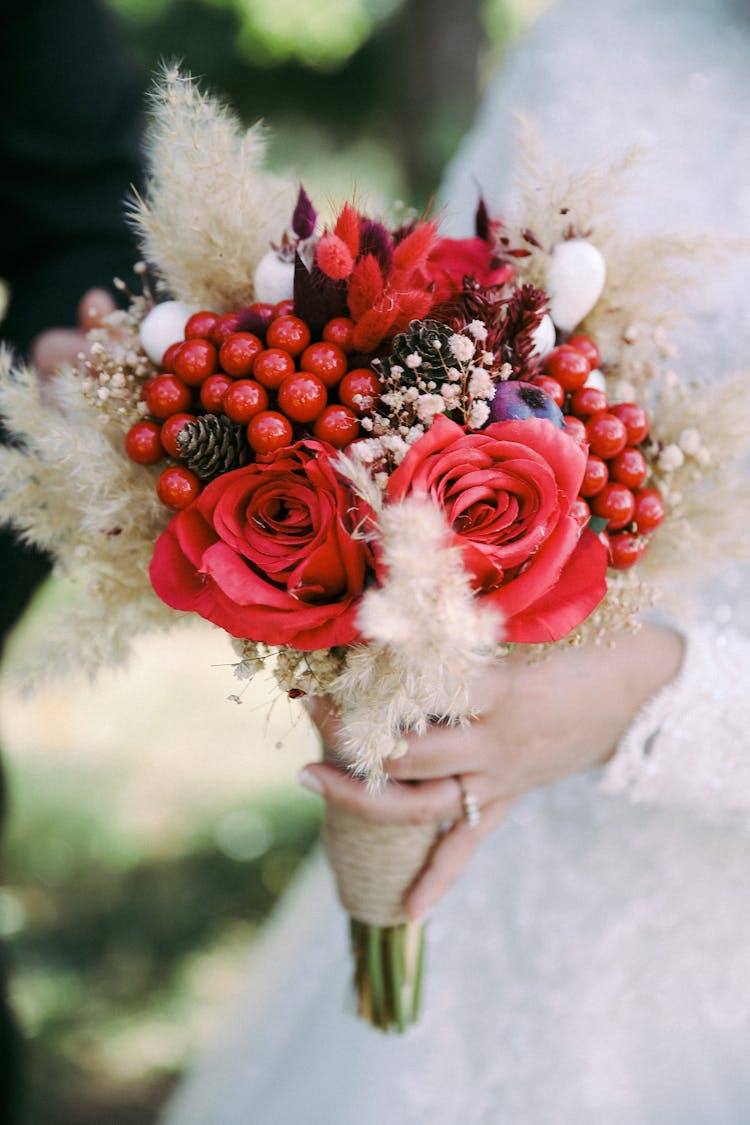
(616, 469)
(275, 380)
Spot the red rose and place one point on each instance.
(270, 552)
(453, 259)
(507, 493)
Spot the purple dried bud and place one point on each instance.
(317, 297)
(482, 220)
(303, 219)
(375, 240)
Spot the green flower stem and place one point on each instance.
(388, 973)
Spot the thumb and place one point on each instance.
(93, 306)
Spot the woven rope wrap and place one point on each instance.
(375, 864)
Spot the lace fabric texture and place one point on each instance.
(593, 963)
(690, 745)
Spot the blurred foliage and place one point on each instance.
(404, 74)
(118, 956)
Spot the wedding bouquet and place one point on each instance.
(374, 456)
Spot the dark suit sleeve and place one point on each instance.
(70, 103)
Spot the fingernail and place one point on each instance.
(310, 780)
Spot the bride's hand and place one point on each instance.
(535, 724)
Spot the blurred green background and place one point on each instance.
(155, 821)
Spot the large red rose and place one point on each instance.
(453, 259)
(507, 493)
(270, 552)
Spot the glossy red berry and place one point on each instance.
(269, 431)
(260, 312)
(289, 333)
(237, 355)
(595, 476)
(325, 360)
(171, 428)
(629, 467)
(550, 387)
(607, 435)
(201, 324)
(213, 391)
(569, 366)
(338, 425)
(616, 504)
(649, 509)
(166, 394)
(587, 401)
(625, 549)
(244, 399)
(225, 327)
(283, 308)
(177, 487)
(580, 511)
(195, 361)
(272, 366)
(340, 331)
(574, 428)
(143, 443)
(359, 389)
(302, 396)
(167, 362)
(586, 346)
(635, 420)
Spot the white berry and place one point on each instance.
(596, 379)
(543, 337)
(274, 279)
(164, 325)
(576, 273)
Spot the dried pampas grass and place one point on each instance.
(428, 636)
(211, 208)
(69, 488)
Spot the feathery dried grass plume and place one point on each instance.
(210, 209)
(646, 275)
(68, 487)
(428, 635)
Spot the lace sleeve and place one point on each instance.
(690, 745)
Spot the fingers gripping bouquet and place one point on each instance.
(377, 455)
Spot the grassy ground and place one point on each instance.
(154, 823)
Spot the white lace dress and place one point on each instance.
(593, 965)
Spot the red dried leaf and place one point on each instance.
(411, 253)
(374, 326)
(348, 227)
(365, 286)
(414, 304)
(334, 257)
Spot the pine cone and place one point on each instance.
(213, 444)
(427, 339)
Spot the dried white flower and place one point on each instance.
(428, 406)
(671, 458)
(690, 442)
(623, 391)
(461, 348)
(481, 384)
(452, 395)
(478, 330)
(478, 415)
(414, 361)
